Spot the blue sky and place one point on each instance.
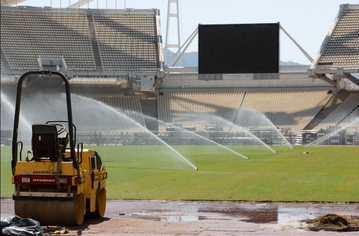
(307, 21)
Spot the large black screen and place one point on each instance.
(238, 48)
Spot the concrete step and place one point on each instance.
(94, 43)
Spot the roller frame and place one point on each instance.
(44, 201)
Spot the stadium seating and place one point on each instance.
(128, 41)
(285, 108)
(2, 66)
(342, 49)
(91, 111)
(31, 35)
(124, 112)
(198, 107)
(352, 121)
(125, 42)
(15, 43)
(339, 117)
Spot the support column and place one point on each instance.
(170, 15)
(352, 78)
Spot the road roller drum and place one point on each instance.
(53, 212)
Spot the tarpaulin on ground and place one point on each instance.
(17, 226)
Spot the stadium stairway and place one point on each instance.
(331, 105)
(149, 108)
(4, 60)
(94, 44)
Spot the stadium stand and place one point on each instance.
(194, 108)
(126, 42)
(90, 112)
(87, 40)
(2, 66)
(129, 106)
(48, 35)
(286, 108)
(122, 43)
(341, 49)
(337, 117)
(352, 120)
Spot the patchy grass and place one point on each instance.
(155, 172)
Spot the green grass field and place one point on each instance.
(155, 172)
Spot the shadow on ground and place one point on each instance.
(86, 224)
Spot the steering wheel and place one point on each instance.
(60, 128)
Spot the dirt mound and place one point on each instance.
(333, 222)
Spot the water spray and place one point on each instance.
(138, 125)
(252, 135)
(259, 118)
(332, 133)
(11, 106)
(197, 135)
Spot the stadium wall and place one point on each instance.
(188, 81)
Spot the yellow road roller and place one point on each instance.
(61, 182)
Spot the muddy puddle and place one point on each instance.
(189, 211)
(276, 213)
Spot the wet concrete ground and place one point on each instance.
(206, 218)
